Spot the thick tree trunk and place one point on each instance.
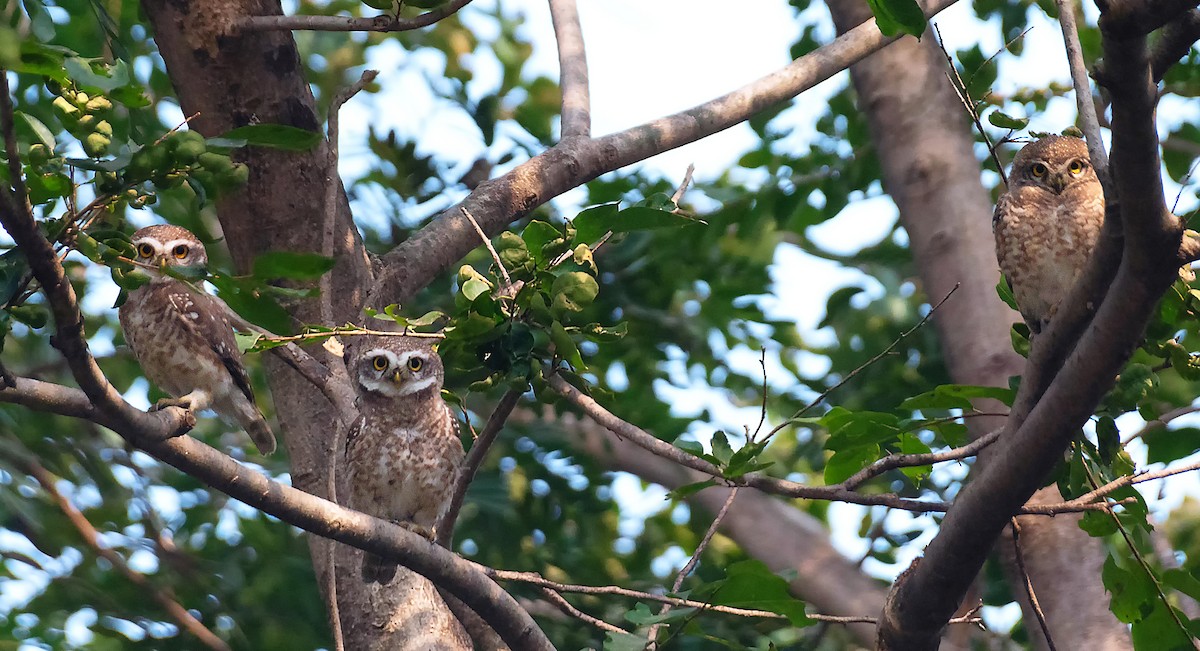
(231, 81)
(925, 147)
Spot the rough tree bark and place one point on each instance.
(925, 146)
(232, 80)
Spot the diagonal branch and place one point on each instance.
(1059, 400)
(90, 536)
(496, 203)
(309, 512)
(474, 459)
(1083, 90)
(350, 24)
(69, 335)
(576, 114)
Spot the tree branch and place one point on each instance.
(836, 493)
(311, 513)
(69, 336)
(576, 113)
(1174, 42)
(92, 537)
(350, 24)
(924, 597)
(1083, 89)
(497, 202)
(474, 459)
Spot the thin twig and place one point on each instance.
(92, 537)
(488, 243)
(1083, 89)
(964, 97)
(849, 376)
(1137, 555)
(348, 24)
(1161, 421)
(535, 579)
(687, 180)
(893, 461)
(562, 604)
(474, 459)
(652, 643)
(333, 183)
(575, 115)
(1029, 592)
(772, 485)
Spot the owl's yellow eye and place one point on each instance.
(1038, 169)
(180, 251)
(1075, 168)
(379, 363)
(144, 250)
(415, 364)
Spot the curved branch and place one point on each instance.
(69, 335)
(348, 23)
(834, 493)
(576, 114)
(573, 162)
(1083, 88)
(311, 513)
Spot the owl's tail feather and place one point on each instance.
(376, 569)
(261, 434)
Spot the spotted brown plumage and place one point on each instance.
(402, 452)
(183, 338)
(1047, 223)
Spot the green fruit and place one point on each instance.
(107, 183)
(39, 155)
(237, 177)
(65, 107)
(96, 145)
(141, 164)
(81, 99)
(99, 104)
(87, 121)
(187, 152)
(104, 127)
(215, 163)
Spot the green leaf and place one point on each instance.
(642, 615)
(1003, 120)
(1166, 445)
(721, 448)
(896, 16)
(572, 292)
(910, 444)
(44, 135)
(687, 490)
(844, 463)
(537, 235)
(623, 642)
(1131, 591)
(565, 347)
(246, 340)
(750, 584)
(291, 264)
(593, 223)
(1158, 630)
(848, 429)
(956, 396)
(13, 266)
(280, 136)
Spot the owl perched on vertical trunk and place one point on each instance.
(402, 452)
(1047, 224)
(183, 338)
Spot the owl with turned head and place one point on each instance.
(183, 337)
(1047, 224)
(402, 452)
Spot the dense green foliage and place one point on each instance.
(621, 315)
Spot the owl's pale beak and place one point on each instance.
(1058, 182)
(398, 377)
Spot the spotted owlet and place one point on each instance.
(183, 338)
(1047, 224)
(402, 452)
